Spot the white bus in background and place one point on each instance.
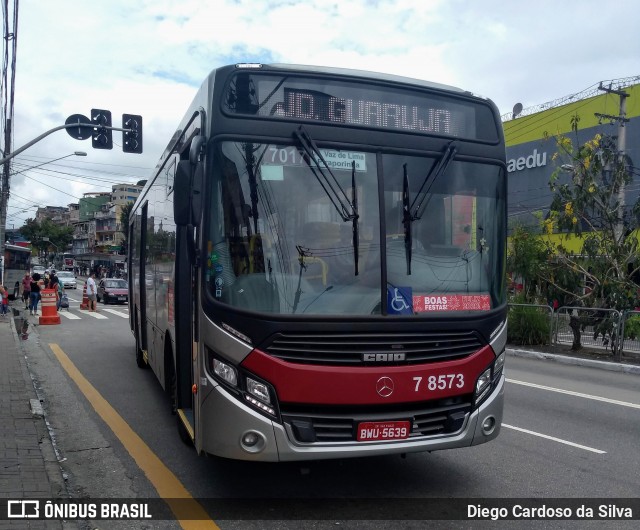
(17, 261)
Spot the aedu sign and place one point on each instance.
(535, 159)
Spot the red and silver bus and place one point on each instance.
(317, 265)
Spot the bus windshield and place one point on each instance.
(277, 242)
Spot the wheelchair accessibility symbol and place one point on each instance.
(397, 298)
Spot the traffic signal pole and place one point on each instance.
(132, 144)
(47, 133)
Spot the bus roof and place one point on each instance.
(365, 74)
(10, 246)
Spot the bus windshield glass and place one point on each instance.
(278, 242)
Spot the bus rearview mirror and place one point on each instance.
(196, 194)
(182, 194)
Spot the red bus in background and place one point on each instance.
(68, 262)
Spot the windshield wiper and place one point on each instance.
(347, 209)
(438, 169)
(354, 221)
(334, 190)
(412, 212)
(301, 255)
(406, 218)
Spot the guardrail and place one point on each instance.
(607, 330)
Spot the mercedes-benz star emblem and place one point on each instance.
(384, 386)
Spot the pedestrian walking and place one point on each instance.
(4, 294)
(92, 292)
(36, 283)
(53, 282)
(59, 294)
(26, 289)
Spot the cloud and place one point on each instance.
(149, 57)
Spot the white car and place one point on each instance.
(67, 279)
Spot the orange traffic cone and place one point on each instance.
(49, 310)
(85, 298)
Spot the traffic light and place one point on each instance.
(132, 134)
(101, 137)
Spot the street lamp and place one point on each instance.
(4, 194)
(75, 153)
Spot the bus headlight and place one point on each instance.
(483, 381)
(258, 390)
(259, 395)
(225, 371)
(483, 384)
(499, 364)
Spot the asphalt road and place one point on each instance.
(568, 431)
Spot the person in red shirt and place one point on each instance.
(26, 289)
(5, 300)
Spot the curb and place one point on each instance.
(577, 361)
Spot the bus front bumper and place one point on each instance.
(231, 421)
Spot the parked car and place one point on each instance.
(113, 290)
(67, 279)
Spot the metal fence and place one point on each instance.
(605, 330)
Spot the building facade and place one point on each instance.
(531, 144)
(99, 232)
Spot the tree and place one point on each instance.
(590, 205)
(527, 259)
(59, 236)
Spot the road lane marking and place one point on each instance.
(553, 438)
(577, 394)
(169, 488)
(94, 314)
(116, 312)
(69, 315)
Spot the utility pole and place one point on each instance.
(622, 119)
(4, 193)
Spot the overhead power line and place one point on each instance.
(593, 90)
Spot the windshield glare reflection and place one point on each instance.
(277, 243)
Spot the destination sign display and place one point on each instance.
(358, 104)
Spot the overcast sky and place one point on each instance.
(149, 57)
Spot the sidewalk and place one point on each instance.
(28, 465)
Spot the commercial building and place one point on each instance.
(531, 144)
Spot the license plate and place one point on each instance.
(121, 298)
(383, 430)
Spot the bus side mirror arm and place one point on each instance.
(196, 157)
(197, 190)
(182, 194)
